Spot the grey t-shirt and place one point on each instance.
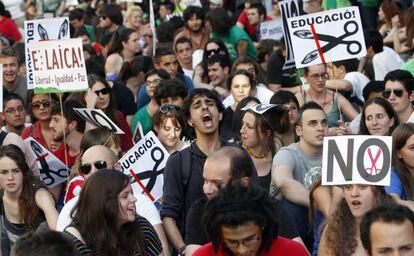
(299, 163)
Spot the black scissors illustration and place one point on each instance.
(46, 172)
(353, 47)
(152, 174)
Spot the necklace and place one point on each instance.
(261, 156)
(324, 99)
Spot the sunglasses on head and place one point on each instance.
(86, 168)
(39, 104)
(103, 91)
(397, 92)
(168, 108)
(213, 51)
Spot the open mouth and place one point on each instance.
(207, 120)
(356, 203)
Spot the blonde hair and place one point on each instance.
(131, 10)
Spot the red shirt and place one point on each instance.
(251, 30)
(9, 29)
(280, 246)
(126, 138)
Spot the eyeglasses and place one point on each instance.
(39, 104)
(86, 168)
(154, 82)
(213, 51)
(323, 76)
(168, 108)
(249, 241)
(12, 111)
(397, 92)
(103, 91)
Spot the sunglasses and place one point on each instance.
(86, 168)
(168, 108)
(103, 91)
(397, 92)
(39, 104)
(213, 51)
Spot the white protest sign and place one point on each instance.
(98, 118)
(271, 30)
(41, 30)
(357, 160)
(144, 164)
(1, 86)
(58, 66)
(52, 170)
(288, 9)
(327, 36)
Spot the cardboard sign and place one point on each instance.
(327, 36)
(271, 30)
(145, 163)
(1, 86)
(288, 9)
(98, 118)
(41, 30)
(58, 66)
(52, 170)
(357, 160)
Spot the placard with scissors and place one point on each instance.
(327, 36)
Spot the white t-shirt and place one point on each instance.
(386, 61)
(15, 8)
(144, 207)
(358, 81)
(263, 94)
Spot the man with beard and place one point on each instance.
(195, 30)
(183, 174)
(69, 127)
(14, 114)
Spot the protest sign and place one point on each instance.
(357, 160)
(41, 30)
(271, 30)
(52, 170)
(327, 36)
(58, 66)
(98, 118)
(288, 9)
(1, 86)
(144, 164)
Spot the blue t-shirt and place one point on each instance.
(396, 186)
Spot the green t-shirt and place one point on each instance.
(409, 66)
(236, 35)
(144, 118)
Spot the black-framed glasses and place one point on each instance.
(213, 51)
(86, 168)
(39, 104)
(12, 111)
(323, 76)
(154, 82)
(387, 93)
(168, 108)
(103, 91)
(249, 241)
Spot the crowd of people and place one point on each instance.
(244, 134)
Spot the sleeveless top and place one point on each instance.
(333, 115)
(10, 232)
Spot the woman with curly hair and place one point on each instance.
(341, 234)
(25, 203)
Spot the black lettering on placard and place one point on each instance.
(385, 164)
(107, 123)
(346, 168)
(323, 19)
(138, 152)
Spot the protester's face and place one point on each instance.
(126, 202)
(406, 153)
(11, 177)
(14, 113)
(313, 128)
(95, 155)
(275, 7)
(243, 240)
(393, 239)
(152, 82)
(10, 69)
(163, 12)
(217, 74)
(377, 120)
(104, 22)
(249, 67)
(41, 106)
(381, 15)
(184, 53)
(317, 77)
(216, 174)
(400, 104)
(248, 131)
(169, 134)
(76, 23)
(103, 99)
(213, 6)
(170, 64)
(240, 87)
(194, 24)
(59, 126)
(359, 198)
(136, 19)
(204, 115)
(293, 111)
(253, 16)
(132, 44)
